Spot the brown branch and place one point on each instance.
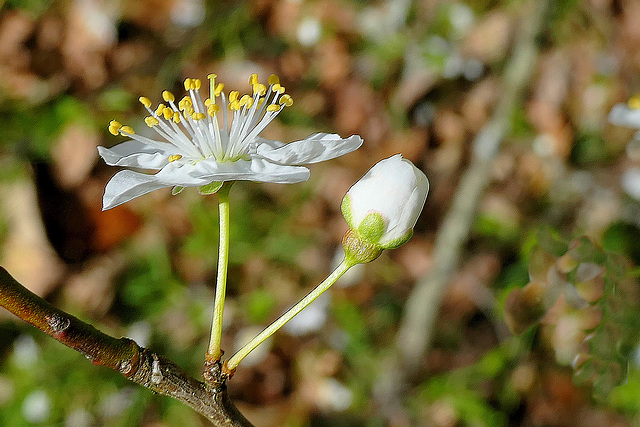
(136, 363)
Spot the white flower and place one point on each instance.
(383, 206)
(628, 114)
(204, 143)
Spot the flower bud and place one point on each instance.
(383, 206)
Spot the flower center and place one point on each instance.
(220, 127)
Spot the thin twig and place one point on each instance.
(424, 302)
(136, 363)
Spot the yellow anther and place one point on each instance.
(244, 100)
(260, 102)
(234, 105)
(176, 117)
(187, 84)
(126, 129)
(213, 109)
(634, 102)
(185, 103)
(273, 107)
(114, 127)
(259, 89)
(198, 116)
(167, 113)
(253, 79)
(218, 89)
(273, 79)
(189, 111)
(160, 109)
(168, 96)
(145, 101)
(195, 84)
(151, 121)
(174, 157)
(277, 88)
(286, 100)
(233, 95)
(207, 102)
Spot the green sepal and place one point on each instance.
(176, 190)
(399, 241)
(210, 188)
(358, 250)
(372, 227)
(345, 207)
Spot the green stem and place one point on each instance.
(233, 362)
(215, 352)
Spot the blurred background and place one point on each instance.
(421, 78)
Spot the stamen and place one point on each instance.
(253, 79)
(233, 95)
(286, 100)
(127, 130)
(151, 121)
(259, 89)
(176, 117)
(174, 157)
(218, 89)
(213, 109)
(273, 107)
(187, 83)
(245, 100)
(160, 108)
(145, 101)
(167, 113)
(273, 79)
(185, 103)
(114, 127)
(168, 96)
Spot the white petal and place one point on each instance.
(134, 154)
(255, 169)
(181, 174)
(127, 185)
(270, 142)
(316, 148)
(622, 115)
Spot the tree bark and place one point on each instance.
(136, 363)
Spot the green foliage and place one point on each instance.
(590, 149)
(624, 238)
(598, 293)
(496, 228)
(256, 228)
(34, 7)
(260, 304)
(32, 138)
(461, 389)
